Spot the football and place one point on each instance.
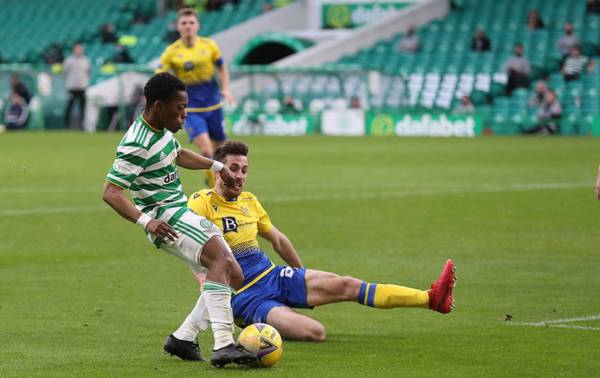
(264, 341)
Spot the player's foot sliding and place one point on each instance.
(186, 350)
(440, 294)
(231, 353)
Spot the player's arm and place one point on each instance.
(114, 196)
(190, 160)
(283, 246)
(224, 73)
(598, 185)
(165, 62)
(225, 90)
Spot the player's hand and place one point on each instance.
(228, 96)
(162, 230)
(227, 176)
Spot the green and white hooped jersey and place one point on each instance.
(146, 166)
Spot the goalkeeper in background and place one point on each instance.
(270, 292)
(194, 60)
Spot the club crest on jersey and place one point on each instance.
(188, 66)
(206, 224)
(245, 210)
(171, 177)
(229, 224)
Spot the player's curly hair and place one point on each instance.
(162, 87)
(230, 147)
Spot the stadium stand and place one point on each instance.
(64, 22)
(61, 23)
(446, 69)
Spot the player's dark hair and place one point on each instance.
(230, 147)
(162, 87)
(186, 12)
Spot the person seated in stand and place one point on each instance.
(518, 70)
(534, 21)
(410, 42)
(548, 115)
(481, 42)
(575, 64)
(538, 95)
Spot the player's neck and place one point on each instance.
(189, 41)
(220, 192)
(151, 120)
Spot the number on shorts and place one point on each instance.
(287, 272)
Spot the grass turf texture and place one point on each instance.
(83, 294)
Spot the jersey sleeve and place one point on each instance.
(165, 61)
(199, 205)
(177, 146)
(128, 165)
(217, 56)
(264, 222)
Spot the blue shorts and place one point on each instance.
(282, 286)
(201, 122)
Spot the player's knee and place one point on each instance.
(351, 286)
(231, 267)
(316, 333)
(236, 276)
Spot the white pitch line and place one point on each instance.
(432, 192)
(569, 326)
(341, 196)
(560, 323)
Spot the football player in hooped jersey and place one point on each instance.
(269, 292)
(146, 165)
(193, 59)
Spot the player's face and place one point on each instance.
(188, 26)
(172, 113)
(238, 165)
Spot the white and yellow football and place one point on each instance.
(264, 341)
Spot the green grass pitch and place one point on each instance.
(82, 293)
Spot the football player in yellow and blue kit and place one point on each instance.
(194, 60)
(270, 291)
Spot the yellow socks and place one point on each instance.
(390, 296)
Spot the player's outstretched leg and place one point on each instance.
(440, 294)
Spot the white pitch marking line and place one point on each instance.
(342, 196)
(560, 323)
(433, 192)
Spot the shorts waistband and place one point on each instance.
(256, 279)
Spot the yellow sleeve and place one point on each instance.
(216, 51)
(264, 222)
(165, 61)
(199, 205)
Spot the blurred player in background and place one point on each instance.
(193, 59)
(146, 165)
(269, 292)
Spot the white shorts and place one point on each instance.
(193, 232)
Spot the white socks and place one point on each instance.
(195, 322)
(218, 304)
(214, 305)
